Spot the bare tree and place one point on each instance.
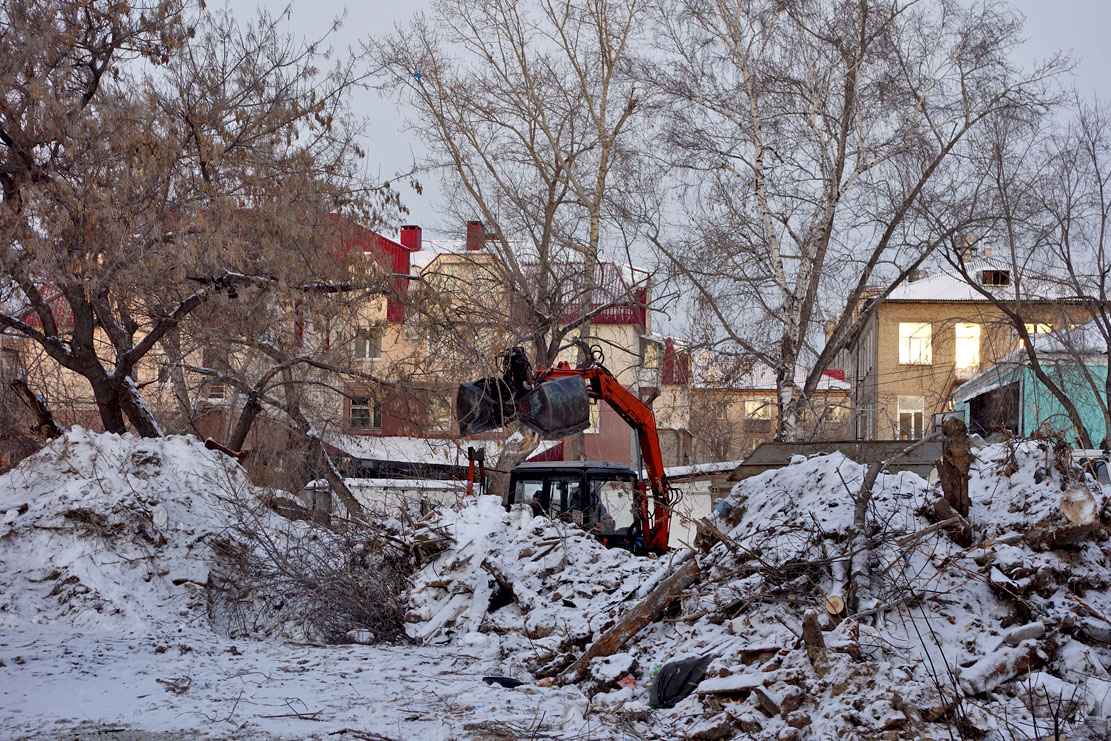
(527, 110)
(1051, 206)
(826, 151)
(153, 156)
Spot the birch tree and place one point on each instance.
(526, 110)
(824, 152)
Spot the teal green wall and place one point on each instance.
(1040, 407)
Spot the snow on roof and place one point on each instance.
(948, 285)
(425, 450)
(676, 472)
(761, 377)
(998, 375)
(1085, 339)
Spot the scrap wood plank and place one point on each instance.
(640, 615)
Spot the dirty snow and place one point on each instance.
(107, 546)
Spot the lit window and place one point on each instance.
(968, 347)
(912, 411)
(365, 414)
(914, 343)
(595, 417)
(1032, 329)
(367, 345)
(759, 408)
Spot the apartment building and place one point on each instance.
(931, 334)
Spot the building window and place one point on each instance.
(595, 417)
(914, 343)
(366, 414)
(1032, 329)
(996, 278)
(439, 415)
(760, 408)
(367, 345)
(967, 349)
(912, 412)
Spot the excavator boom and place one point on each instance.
(555, 402)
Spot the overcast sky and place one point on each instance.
(1077, 27)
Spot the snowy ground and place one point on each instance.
(55, 680)
(115, 578)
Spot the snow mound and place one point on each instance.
(104, 529)
(508, 572)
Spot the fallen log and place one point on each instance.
(629, 624)
(1001, 666)
(522, 595)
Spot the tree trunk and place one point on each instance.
(245, 422)
(952, 467)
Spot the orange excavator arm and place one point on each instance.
(603, 385)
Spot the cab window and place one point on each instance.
(566, 500)
(530, 491)
(615, 502)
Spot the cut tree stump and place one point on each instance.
(956, 459)
(815, 644)
(629, 624)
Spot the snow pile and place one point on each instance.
(119, 532)
(109, 529)
(818, 611)
(547, 582)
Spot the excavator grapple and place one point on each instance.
(555, 402)
(556, 408)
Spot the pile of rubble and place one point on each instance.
(125, 533)
(820, 604)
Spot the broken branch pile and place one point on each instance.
(798, 618)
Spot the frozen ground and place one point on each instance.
(57, 680)
(123, 608)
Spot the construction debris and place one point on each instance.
(921, 624)
(797, 618)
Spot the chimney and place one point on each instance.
(917, 274)
(476, 235)
(967, 245)
(987, 252)
(411, 237)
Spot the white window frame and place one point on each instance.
(915, 343)
(913, 406)
(373, 413)
(367, 345)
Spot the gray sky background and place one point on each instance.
(1077, 27)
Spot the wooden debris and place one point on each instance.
(1074, 521)
(959, 531)
(522, 595)
(1001, 666)
(629, 624)
(815, 644)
